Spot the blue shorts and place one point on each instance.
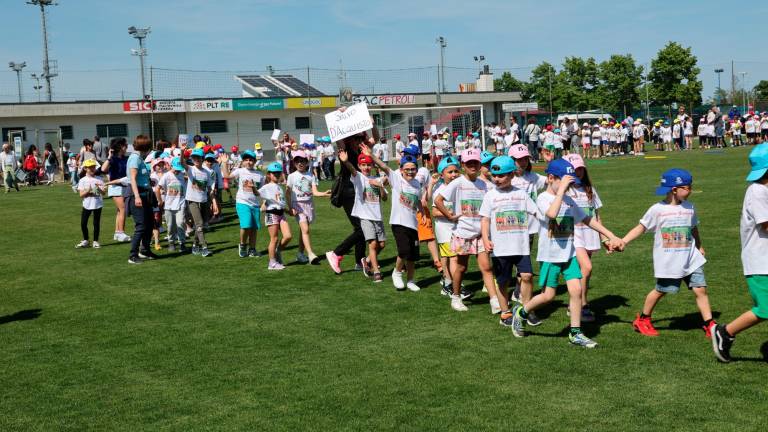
(672, 286)
(502, 267)
(250, 216)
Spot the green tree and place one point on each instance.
(576, 83)
(508, 83)
(620, 79)
(761, 89)
(537, 88)
(674, 76)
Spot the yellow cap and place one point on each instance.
(199, 144)
(90, 163)
(257, 146)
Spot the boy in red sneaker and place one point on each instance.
(677, 252)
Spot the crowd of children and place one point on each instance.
(476, 203)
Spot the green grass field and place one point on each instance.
(185, 343)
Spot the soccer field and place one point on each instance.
(189, 343)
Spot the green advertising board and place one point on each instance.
(257, 104)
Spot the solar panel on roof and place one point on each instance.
(267, 87)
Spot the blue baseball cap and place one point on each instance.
(176, 164)
(561, 168)
(275, 167)
(412, 150)
(198, 152)
(447, 161)
(210, 156)
(486, 157)
(475, 134)
(503, 165)
(758, 158)
(249, 154)
(408, 159)
(674, 178)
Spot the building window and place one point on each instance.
(302, 123)
(270, 124)
(119, 130)
(213, 126)
(6, 130)
(66, 132)
(396, 118)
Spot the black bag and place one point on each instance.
(336, 191)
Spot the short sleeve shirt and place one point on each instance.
(675, 254)
(584, 236)
(467, 197)
(199, 182)
(273, 196)
(367, 197)
(142, 172)
(172, 184)
(556, 235)
(754, 238)
(405, 200)
(91, 184)
(509, 211)
(301, 186)
(248, 181)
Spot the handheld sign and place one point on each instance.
(306, 139)
(433, 129)
(350, 122)
(183, 140)
(275, 134)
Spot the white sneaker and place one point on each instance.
(495, 307)
(457, 305)
(116, 237)
(412, 286)
(397, 280)
(96, 245)
(82, 244)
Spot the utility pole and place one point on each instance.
(733, 86)
(744, 90)
(718, 71)
(17, 67)
(549, 75)
(47, 74)
(443, 43)
(140, 34)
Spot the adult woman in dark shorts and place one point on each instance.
(115, 165)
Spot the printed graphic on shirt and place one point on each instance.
(561, 227)
(173, 189)
(511, 220)
(303, 188)
(409, 200)
(677, 238)
(198, 184)
(372, 194)
(471, 207)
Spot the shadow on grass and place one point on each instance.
(691, 321)
(24, 315)
(599, 305)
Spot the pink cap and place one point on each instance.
(470, 155)
(518, 151)
(575, 160)
(299, 154)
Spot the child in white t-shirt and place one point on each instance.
(754, 249)
(506, 211)
(369, 192)
(171, 197)
(274, 207)
(158, 170)
(448, 171)
(199, 194)
(91, 189)
(301, 188)
(559, 213)
(678, 255)
(247, 202)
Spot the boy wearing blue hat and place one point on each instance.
(754, 249)
(558, 215)
(247, 201)
(506, 211)
(678, 255)
(171, 198)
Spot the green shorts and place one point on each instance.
(758, 289)
(549, 275)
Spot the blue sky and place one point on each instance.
(249, 35)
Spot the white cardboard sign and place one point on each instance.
(275, 134)
(183, 140)
(353, 120)
(306, 138)
(433, 129)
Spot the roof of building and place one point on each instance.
(277, 86)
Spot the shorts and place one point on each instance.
(462, 246)
(550, 272)
(273, 219)
(758, 289)
(249, 216)
(672, 285)
(425, 158)
(305, 211)
(751, 135)
(373, 230)
(585, 144)
(502, 267)
(407, 242)
(595, 143)
(114, 191)
(425, 229)
(445, 250)
(604, 142)
(764, 133)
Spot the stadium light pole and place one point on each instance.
(744, 90)
(17, 67)
(140, 34)
(37, 86)
(718, 71)
(443, 44)
(47, 74)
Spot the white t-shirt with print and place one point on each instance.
(172, 184)
(443, 226)
(93, 185)
(423, 175)
(406, 196)
(584, 236)
(532, 183)
(426, 146)
(556, 235)
(199, 184)
(248, 180)
(754, 238)
(367, 197)
(750, 126)
(509, 212)
(273, 196)
(301, 186)
(441, 146)
(675, 253)
(467, 197)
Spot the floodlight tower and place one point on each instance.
(17, 67)
(37, 86)
(47, 74)
(443, 44)
(140, 34)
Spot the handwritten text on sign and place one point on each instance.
(350, 122)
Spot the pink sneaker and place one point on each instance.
(334, 261)
(274, 265)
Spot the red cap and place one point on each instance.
(217, 147)
(234, 149)
(207, 149)
(397, 136)
(187, 153)
(455, 134)
(364, 158)
(426, 133)
(550, 127)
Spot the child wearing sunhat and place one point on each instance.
(448, 169)
(172, 187)
(678, 255)
(754, 250)
(557, 253)
(247, 202)
(274, 207)
(91, 189)
(505, 212)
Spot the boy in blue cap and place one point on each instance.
(247, 201)
(678, 255)
(754, 249)
(557, 253)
